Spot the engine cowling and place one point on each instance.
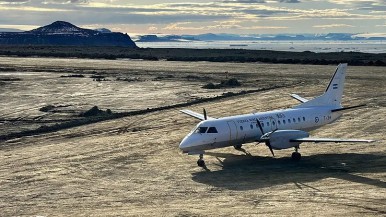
(280, 139)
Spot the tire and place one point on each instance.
(296, 156)
(201, 163)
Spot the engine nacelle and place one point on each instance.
(280, 139)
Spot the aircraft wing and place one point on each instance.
(195, 114)
(336, 140)
(297, 97)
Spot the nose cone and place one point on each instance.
(185, 144)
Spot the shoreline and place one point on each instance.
(191, 55)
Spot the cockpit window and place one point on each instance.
(212, 130)
(201, 130)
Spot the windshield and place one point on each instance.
(205, 130)
(201, 130)
(212, 130)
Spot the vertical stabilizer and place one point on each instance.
(334, 91)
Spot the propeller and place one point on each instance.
(268, 143)
(205, 117)
(265, 137)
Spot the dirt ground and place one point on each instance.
(132, 166)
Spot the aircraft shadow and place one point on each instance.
(246, 172)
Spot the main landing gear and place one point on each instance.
(201, 162)
(296, 155)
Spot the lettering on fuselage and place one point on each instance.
(278, 115)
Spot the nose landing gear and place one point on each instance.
(296, 156)
(201, 162)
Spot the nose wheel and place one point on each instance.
(296, 156)
(201, 162)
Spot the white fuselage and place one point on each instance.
(236, 130)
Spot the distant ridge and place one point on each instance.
(259, 37)
(63, 28)
(64, 33)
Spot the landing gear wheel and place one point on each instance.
(296, 156)
(201, 163)
(237, 147)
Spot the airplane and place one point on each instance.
(278, 129)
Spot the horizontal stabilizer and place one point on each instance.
(351, 107)
(308, 139)
(299, 98)
(195, 114)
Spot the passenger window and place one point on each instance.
(294, 120)
(262, 124)
(251, 126)
(304, 119)
(283, 121)
(278, 122)
(273, 122)
(298, 119)
(289, 121)
(267, 124)
(201, 130)
(241, 127)
(212, 130)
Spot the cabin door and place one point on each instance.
(233, 133)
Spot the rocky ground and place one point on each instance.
(132, 165)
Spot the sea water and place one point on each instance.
(318, 46)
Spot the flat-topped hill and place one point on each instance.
(64, 33)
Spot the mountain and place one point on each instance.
(202, 37)
(103, 30)
(222, 37)
(258, 37)
(167, 38)
(64, 33)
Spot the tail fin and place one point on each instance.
(334, 91)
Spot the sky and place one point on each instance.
(202, 16)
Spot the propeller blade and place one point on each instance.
(260, 127)
(270, 147)
(205, 117)
(270, 133)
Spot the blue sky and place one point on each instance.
(202, 16)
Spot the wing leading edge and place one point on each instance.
(336, 140)
(195, 114)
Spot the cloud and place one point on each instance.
(221, 26)
(21, 27)
(13, 1)
(289, 1)
(28, 9)
(245, 1)
(152, 28)
(260, 1)
(264, 12)
(201, 15)
(372, 5)
(66, 2)
(332, 26)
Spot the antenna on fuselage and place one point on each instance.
(205, 117)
